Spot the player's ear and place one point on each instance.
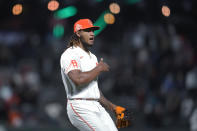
(77, 33)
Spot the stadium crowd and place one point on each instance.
(153, 70)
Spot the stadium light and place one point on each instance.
(100, 22)
(114, 8)
(165, 10)
(132, 1)
(65, 12)
(109, 18)
(53, 5)
(17, 9)
(58, 30)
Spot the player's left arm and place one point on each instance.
(123, 116)
(106, 103)
(109, 105)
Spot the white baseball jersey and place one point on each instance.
(85, 115)
(76, 58)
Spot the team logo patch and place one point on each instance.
(78, 27)
(74, 63)
(89, 22)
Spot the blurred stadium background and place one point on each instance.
(150, 46)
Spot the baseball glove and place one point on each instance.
(123, 117)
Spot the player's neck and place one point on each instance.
(84, 47)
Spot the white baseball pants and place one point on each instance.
(89, 116)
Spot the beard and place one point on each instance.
(85, 44)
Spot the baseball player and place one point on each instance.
(79, 70)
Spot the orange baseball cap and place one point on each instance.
(84, 24)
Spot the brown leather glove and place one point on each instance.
(123, 117)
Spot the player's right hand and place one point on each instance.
(103, 66)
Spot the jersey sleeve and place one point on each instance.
(70, 62)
